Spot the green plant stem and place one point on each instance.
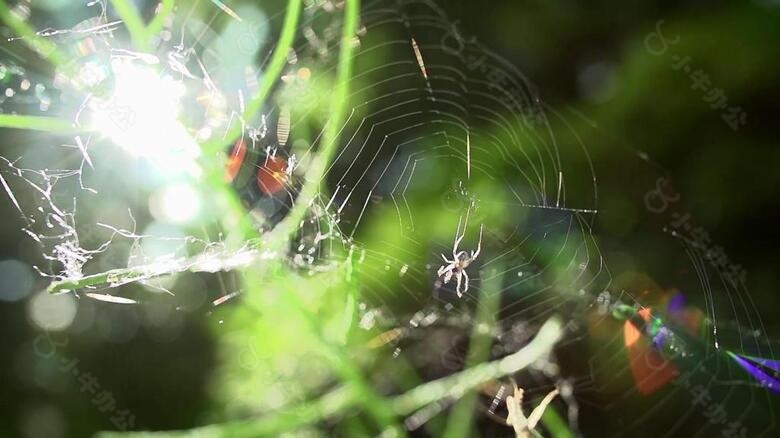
(157, 23)
(334, 354)
(461, 418)
(235, 221)
(456, 385)
(319, 164)
(341, 400)
(270, 76)
(45, 48)
(133, 22)
(221, 260)
(339, 361)
(53, 125)
(557, 426)
(226, 197)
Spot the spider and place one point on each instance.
(460, 261)
(524, 426)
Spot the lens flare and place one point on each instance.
(141, 115)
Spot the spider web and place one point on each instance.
(443, 138)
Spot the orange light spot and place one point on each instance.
(631, 334)
(651, 370)
(235, 161)
(271, 177)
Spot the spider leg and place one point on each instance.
(457, 231)
(479, 244)
(448, 275)
(465, 289)
(458, 238)
(455, 248)
(536, 414)
(457, 287)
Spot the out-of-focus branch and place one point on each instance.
(340, 400)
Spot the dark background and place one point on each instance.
(589, 58)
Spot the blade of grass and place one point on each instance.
(553, 421)
(53, 125)
(461, 417)
(316, 172)
(270, 76)
(132, 19)
(45, 48)
(157, 23)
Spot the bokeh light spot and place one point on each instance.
(16, 280)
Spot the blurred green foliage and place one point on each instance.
(240, 360)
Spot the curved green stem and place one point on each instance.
(270, 76)
(157, 23)
(316, 171)
(340, 362)
(133, 22)
(455, 386)
(339, 401)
